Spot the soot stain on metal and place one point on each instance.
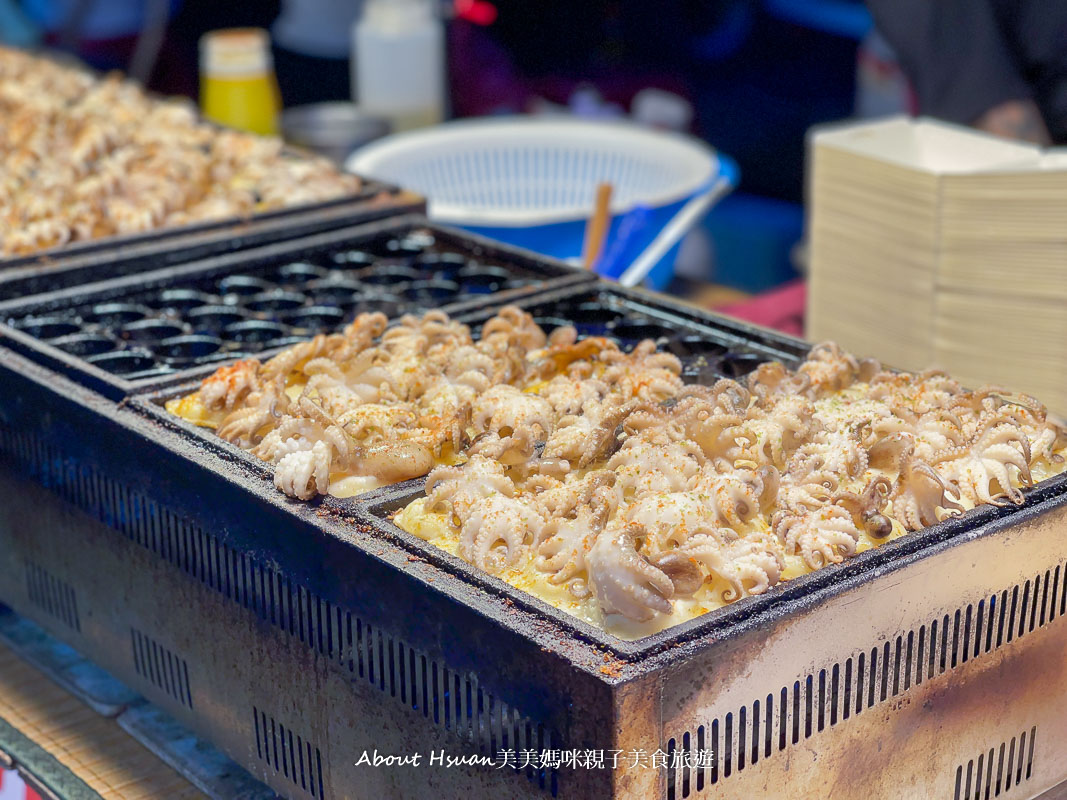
(961, 694)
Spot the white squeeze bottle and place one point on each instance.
(399, 62)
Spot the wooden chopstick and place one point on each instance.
(596, 230)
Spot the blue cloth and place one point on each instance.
(15, 29)
(105, 19)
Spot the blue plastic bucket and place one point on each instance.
(531, 182)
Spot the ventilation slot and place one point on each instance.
(826, 698)
(288, 754)
(53, 596)
(997, 770)
(447, 698)
(161, 667)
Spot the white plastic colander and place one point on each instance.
(524, 172)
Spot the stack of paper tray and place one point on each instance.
(933, 245)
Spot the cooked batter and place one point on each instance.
(600, 482)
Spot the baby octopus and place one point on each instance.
(496, 531)
(746, 565)
(623, 580)
(919, 491)
(87, 157)
(563, 543)
(230, 385)
(825, 535)
(506, 410)
(565, 462)
(984, 461)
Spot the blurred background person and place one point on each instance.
(999, 65)
(312, 44)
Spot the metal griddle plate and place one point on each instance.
(926, 667)
(745, 345)
(115, 256)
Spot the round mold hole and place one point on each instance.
(333, 292)
(47, 327)
(700, 371)
(275, 301)
(444, 264)
(151, 330)
(391, 248)
(737, 364)
(254, 331)
(690, 346)
(315, 318)
(85, 344)
(640, 329)
(518, 283)
(551, 323)
(182, 299)
(422, 239)
(438, 291)
(350, 259)
(284, 341)
(224, 354)
(124, 362)
(299, 272)
(408, 246)
(594, 314)
(114, 314)
(244, 285)
(481, 279)
(388, 275)
(214, 318)
(183, 349)
(387, 304)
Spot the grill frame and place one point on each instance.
(598, 691)
(782, 600)
(550, 271)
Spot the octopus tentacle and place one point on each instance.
(919, 491)
(745, 566)
(985, 459)
(826, 535)
(623, 580)
(564, 543)
(867, 507)
(496, 532)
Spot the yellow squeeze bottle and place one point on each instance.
(237, 84)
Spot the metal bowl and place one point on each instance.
(333, 130)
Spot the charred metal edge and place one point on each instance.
(304, 541)
(729, 621)
(878, 671)
(22, 281)
(555, 274)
